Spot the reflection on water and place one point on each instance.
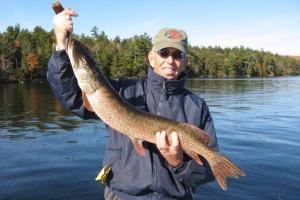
(30, 110)
(48, 153)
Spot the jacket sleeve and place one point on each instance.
(64, 85)
(190, 172)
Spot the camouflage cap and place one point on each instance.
(170, 37)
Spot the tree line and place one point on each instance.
(24, 56)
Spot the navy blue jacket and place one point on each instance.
(134, 176)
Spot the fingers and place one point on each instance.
(167, 144)
(67, 15)
(69, 25)
(161, 138)
(70, 12)
(175, 140)
(64, 20)
(169, 147)
(68, 22)
(162, 142)
(63, 23)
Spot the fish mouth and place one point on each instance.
(79, 53)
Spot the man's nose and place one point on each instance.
(170, 58)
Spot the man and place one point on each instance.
(165, 172)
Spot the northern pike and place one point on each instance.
(99, 96)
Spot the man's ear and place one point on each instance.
(151, 58)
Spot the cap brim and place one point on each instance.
(159, 46)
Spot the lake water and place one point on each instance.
(47, 153)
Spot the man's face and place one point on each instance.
(168, 62)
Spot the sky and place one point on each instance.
(269, 25)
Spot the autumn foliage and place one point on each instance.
(33, 62)
(24, 55)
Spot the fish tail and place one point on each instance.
(222, 168)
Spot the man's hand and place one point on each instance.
(62, 24)
(170, 148)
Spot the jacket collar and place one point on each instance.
(161, 84)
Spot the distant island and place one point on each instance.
(24, 56)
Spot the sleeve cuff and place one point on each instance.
(178, 169)
(61, 52)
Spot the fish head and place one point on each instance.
(83, 65)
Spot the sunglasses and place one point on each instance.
(165, 53)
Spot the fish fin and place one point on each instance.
(204, 135)
(194, 156)
(138, 146)
(222, 168)
(86, 103)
